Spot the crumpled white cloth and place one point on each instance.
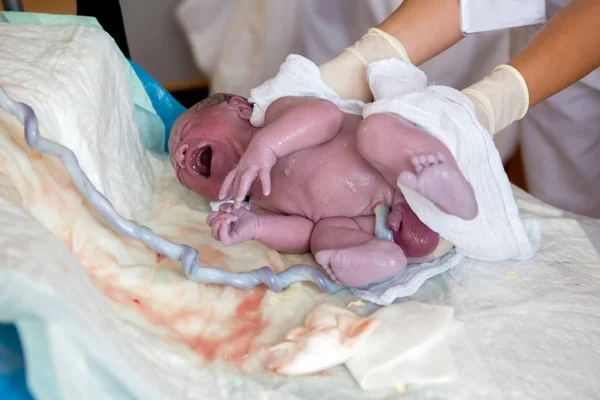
(402, 343)
(497, 233)
(408, 346)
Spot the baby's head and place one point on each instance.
(208, 140)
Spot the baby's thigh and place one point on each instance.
(338, 232)
(389, 142)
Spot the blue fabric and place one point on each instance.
(165, 105)
(13, 383)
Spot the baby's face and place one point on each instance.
(205, 145)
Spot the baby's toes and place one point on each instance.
(323, 259)
(416, 162)
(432, 159)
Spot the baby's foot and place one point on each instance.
(439, 180)
(370, 262)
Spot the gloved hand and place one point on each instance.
(500, 98)
(347, 73)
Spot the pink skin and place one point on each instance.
(206, 145)
(424, 165)
(314, 175)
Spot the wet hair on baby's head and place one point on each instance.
(213, 100)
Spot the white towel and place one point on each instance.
(497, 233)
(404, 343)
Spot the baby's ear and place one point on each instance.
(242, 107)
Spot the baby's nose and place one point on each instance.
(180, 155)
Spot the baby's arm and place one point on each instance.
(292, 124)
(297, 123)
(285, 233)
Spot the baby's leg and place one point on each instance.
(351, 255)
(407, 154)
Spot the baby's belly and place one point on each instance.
(331, 181)
(349, 194)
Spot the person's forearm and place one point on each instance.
(425, 27)
(285, 233)
(565, 50)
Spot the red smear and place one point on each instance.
(31, 153)
(208, 255)
(250, 304)
(244, 325)
(362, 327)
(159, 257)
(238, 344)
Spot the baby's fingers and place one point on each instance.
(226, 186)
(245, 182)
(226, 208)
(211, 217)
(221, 224)
(223, 218)
(224, 235)
(214, 232)
(265, 181)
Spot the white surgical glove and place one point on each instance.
(347, 73)
(500, 98)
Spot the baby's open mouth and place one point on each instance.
(201, 159)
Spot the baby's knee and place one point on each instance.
(324, 234)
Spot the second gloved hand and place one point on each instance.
(500, 98)
(347, 73)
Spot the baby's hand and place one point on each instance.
(257, 161)
(232, 226)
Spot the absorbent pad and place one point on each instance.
(107, 135)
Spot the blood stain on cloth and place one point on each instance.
(245, 326)
(21, 144)
(228, 337)
(208, 255)
(218, 324)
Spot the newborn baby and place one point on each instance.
(314, 176)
